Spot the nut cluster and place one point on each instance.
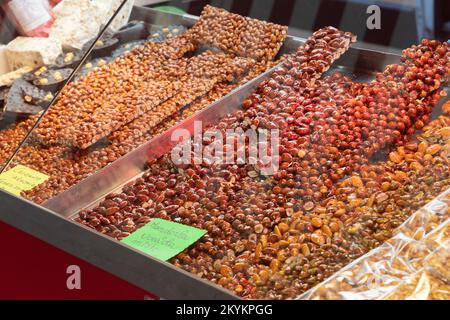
(238, 35)
(11, 137)
(192, 89)
(301, 69)
(67, 168)
(117, 112)
(212, 65)
(370, 206)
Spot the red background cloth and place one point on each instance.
(33, 269)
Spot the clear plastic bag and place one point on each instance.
(414, 264)
(439, 263)
(375, 274)
(425, 220)
(423, 285)
(440, 237)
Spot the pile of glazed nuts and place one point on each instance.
(75, 113)
(239, 35)
(92, 93)
(370, 205)
(11, 137)
(66, 167)
(278, 237)
(117, 112)
(138, 104)
(197, 87)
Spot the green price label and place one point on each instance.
(163, 239)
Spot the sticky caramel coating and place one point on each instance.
(192, 89)
(11, 137)
(90, 94)
(275, 239)
(75, 168)
(218, 65)
(115, 113)
(238, 35)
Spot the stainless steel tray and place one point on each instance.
(53, 223)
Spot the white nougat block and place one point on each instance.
(78, 21)
(4, 67)
(32, 52)
(7, 79)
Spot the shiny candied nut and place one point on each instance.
(220, 66)
(309, 206)
(445, 132)
(316, 222)
(354, 181)
(217, 27)
(317, 238)
(301, 153)
(130, 140)
(382, 200)
(423, 147)
(261, 40)
(395, 157)
(433, 149)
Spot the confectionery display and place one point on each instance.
(279, 236)
(127, 122)
(357, 201)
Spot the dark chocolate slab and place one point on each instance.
(15, 102)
